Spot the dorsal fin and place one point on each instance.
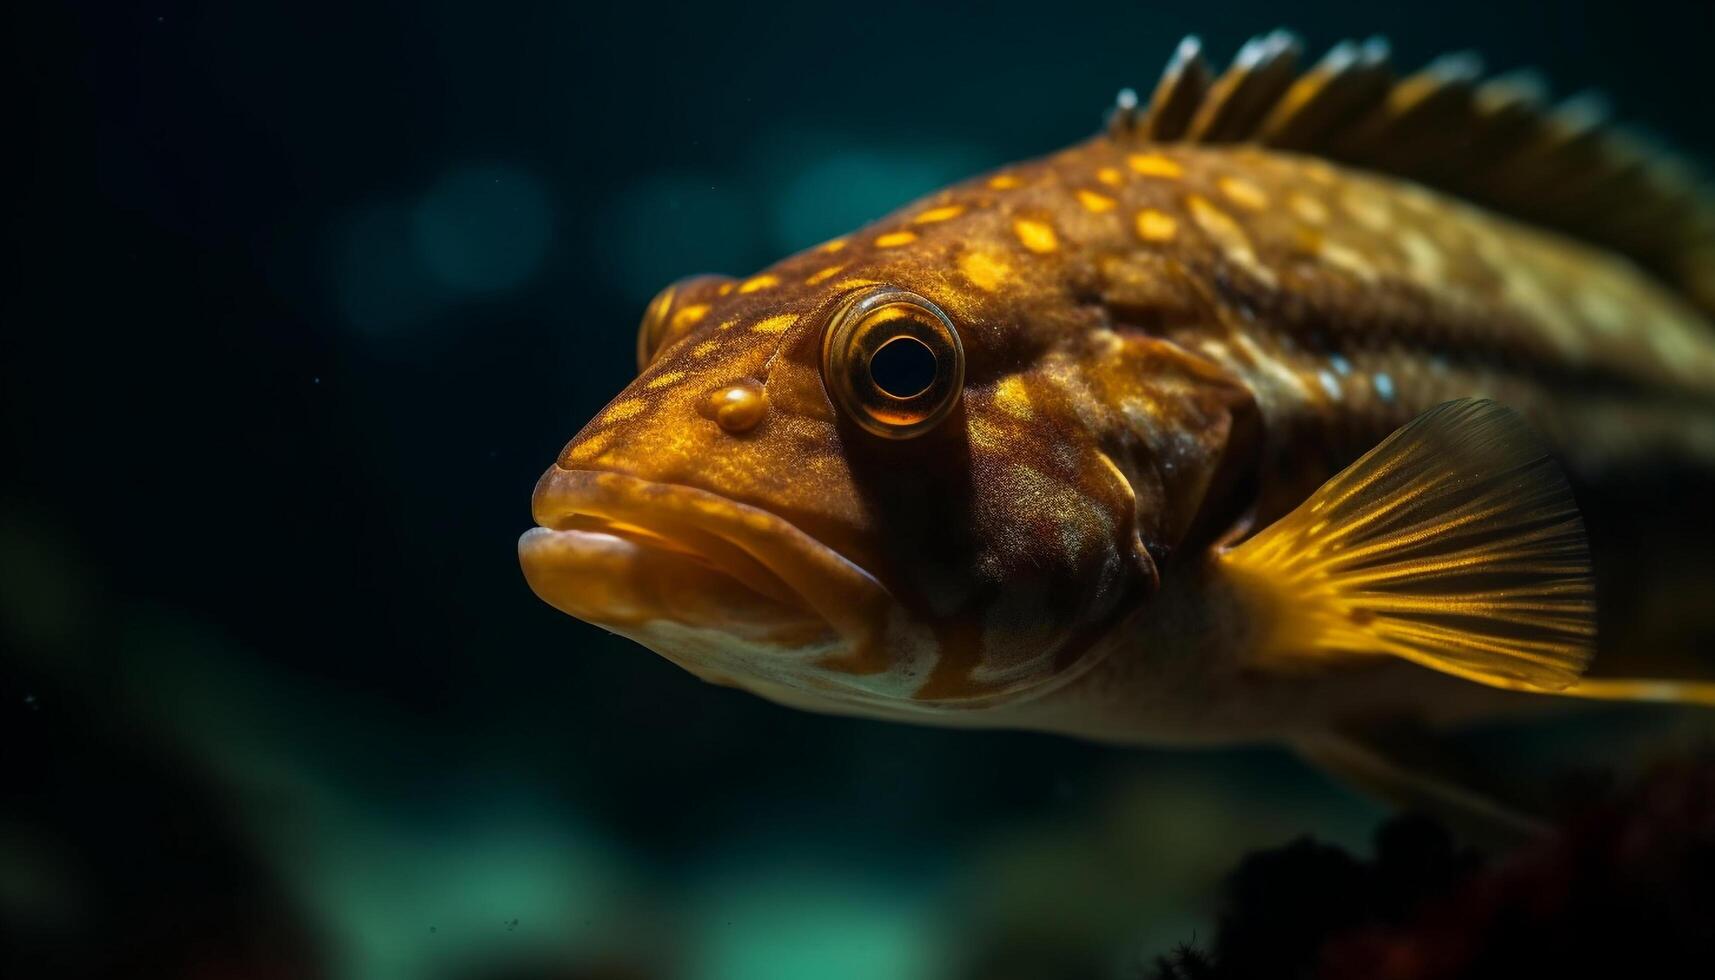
(1495, 141)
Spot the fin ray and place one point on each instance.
(1497, 142)
(1455, 543)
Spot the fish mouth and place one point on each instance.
(698, 577)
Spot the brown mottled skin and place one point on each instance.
(1202, 336)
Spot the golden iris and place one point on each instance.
(892, 361)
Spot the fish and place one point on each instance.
(1299, 400)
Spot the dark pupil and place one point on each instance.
(903, 367)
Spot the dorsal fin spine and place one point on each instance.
(1498, 143)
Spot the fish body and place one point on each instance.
(994, 459)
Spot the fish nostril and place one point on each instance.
(736, 407)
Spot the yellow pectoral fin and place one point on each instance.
(1455, 544)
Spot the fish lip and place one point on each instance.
(820, 581)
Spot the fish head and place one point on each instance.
(864, 479)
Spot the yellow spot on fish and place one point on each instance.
(1035, 235)
(1318, 171)
(705, 348)
(1156, 226)
(894, 239)
(984, 434)
(1013, 397)
(1154, 165)
(726, 287)
(1603, 309)
(1425, 258)
(1228, 236)
(1097, 203)
(823, 275)
(727, 325)
(1283, 377)
(1533, 296)
(1003, 182)
(984, 269)
(591, 447)
(1368, 209)
(1673, 346)
(1243, 193)
(1106, 341)
(939, 214)
(759, 282)
(1308, 209)
(775, 324)
(663, 380)
(662, 304)
(1110, 176)
(620, 411)
(1341, 257)
(834, 246)
(854, 283)
(1490, 248)
(1417, 199)
(688, 317)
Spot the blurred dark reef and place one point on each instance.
(1625, 888)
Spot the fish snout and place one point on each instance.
(713, 584)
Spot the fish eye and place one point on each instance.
(893, 362)
(668, 315)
